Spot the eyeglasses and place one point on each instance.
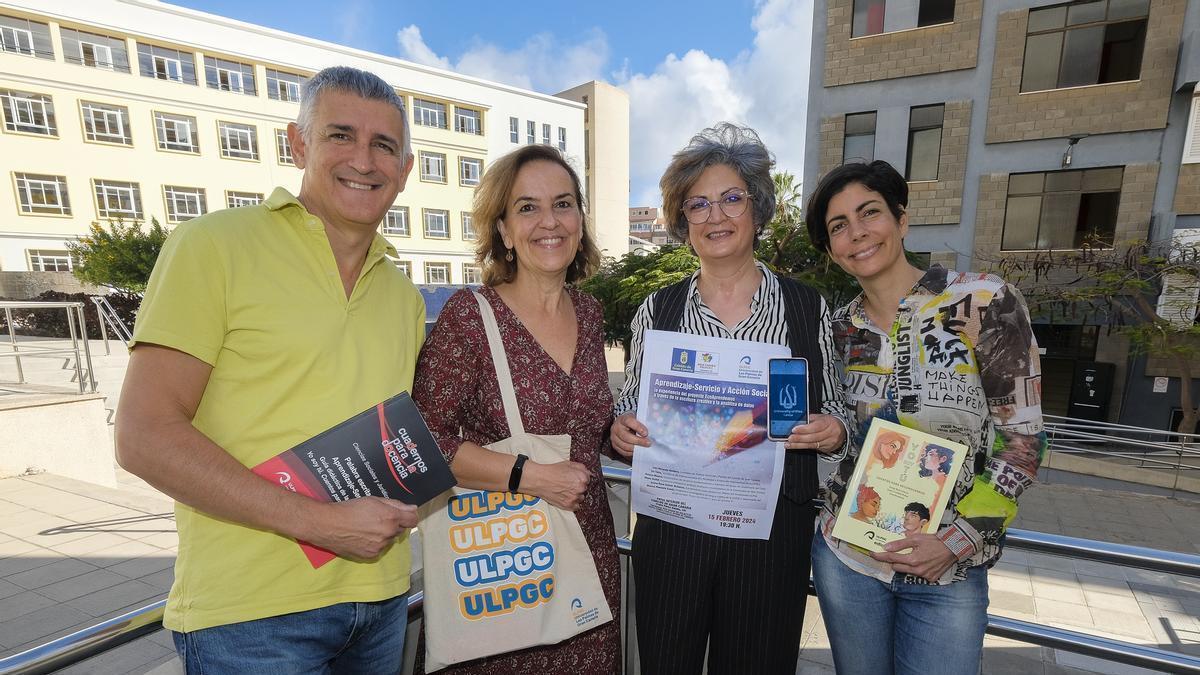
(697, 210)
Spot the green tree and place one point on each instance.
(623, 283)
(120, 256)
(786, 247)
(1145, 291)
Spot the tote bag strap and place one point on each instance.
(500, 359)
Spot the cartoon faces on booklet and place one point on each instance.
(866, 504)
(888, 448)
(916, 517)
(936, 461)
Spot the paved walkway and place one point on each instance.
(72, 553)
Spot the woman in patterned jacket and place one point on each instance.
(948, 353)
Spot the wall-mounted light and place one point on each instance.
(1071, 141)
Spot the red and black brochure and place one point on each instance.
(386, 451)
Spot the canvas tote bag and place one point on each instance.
(505, 571)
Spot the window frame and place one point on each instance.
(26, 205)
(856, 33)
(103, 212)
(514, 130)
(223, 140)
(424, 156)
(87, 115)
(1065, 30)
(463, 115)
(429, 113)
(395, 231)
(6, 48)
(530, 132)
(846, 133)
(280, 86)
(1044, 191)
(235, 199)
(467, 220)
(463, 163)
(41, 255)
(174, 195)
(8, 101)
(472, 275)
(404, 266)
(425, 221)
(912, 135)
(562, 139)
(283, 148)
(430, 266)
(160, 130)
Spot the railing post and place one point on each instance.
(87, 348)
(73, 330)
(12, 338)
(103, 328)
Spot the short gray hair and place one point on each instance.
(351, 81)
(737, 147)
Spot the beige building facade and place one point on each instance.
(133, 109)
(1023, 128)
(606, 161)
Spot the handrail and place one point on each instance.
(76, 327)
(108, 318)
(93, 640)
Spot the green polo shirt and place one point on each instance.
(255, 293)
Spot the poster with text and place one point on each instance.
(710, 466)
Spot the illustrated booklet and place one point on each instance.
(900, 486)
(385, 451)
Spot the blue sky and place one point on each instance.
(684, 65)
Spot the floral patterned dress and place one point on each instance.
(457, 392)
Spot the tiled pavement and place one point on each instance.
(72, 554)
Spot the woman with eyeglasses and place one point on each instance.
(747, 595)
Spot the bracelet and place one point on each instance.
(514, 478)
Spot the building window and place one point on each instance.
(531, 132)
(283, 86)
(469, 170)
(164, 63)
(1081, 44)
(22, 36)
(924, 141)
(437, 224)
(43, 195)
(859, 143)
(1061, 209)
(437, 273)
(872, 17)
(472, 275)
(514, 130)
(468, 226)
(118, 200)
(562, 139)
(94, 51)
(28, 113)
(50, 261)
(395, 222)
(283, 148)
(238, 141)
(229, 76)
(433, 166)
(545, 134)
(235, 199)
(176, 132)
(106, 123)
(467, 121)
(429, 113)
(184, 203)
(1191, 143)
(404, 266)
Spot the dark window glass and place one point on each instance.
(924, 142)
(1062, 209)
(933, 12)
(859, 143)
(1082, 44)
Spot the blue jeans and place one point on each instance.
(876, 628)
(350, 637)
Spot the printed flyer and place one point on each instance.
(901, 485)
(386, 451)
(710, 466)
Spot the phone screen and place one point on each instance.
(787, 387)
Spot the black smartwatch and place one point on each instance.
(514, 478)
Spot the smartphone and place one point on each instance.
(787, 389)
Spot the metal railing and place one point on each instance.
(101, 637)
(77, 329)
(108, 319)
(1157, 449)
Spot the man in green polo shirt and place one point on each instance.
(262, 327)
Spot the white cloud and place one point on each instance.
(765, 86)
(543, 63)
